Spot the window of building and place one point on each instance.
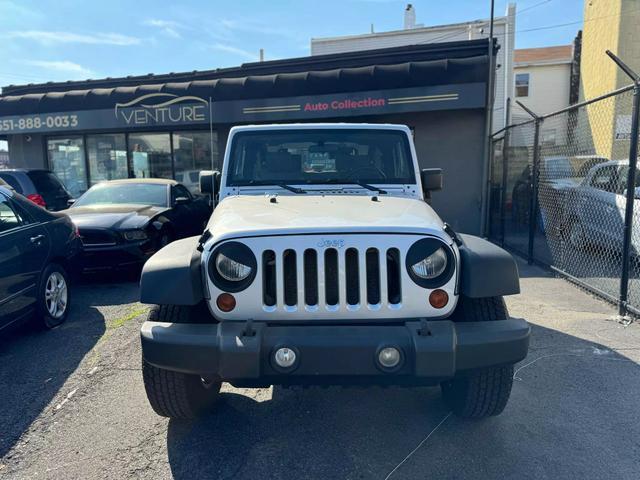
(150, 155)
(522, 84)
(67, 161)
(107, 155)
(193, 152)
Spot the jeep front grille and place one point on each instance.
(331, 278)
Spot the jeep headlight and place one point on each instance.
(230, 269)
(232, 266)
(430, 262)
(135, 235)
(432, 266)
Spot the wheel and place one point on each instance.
(54, 296)
(178, 395)
(481, 393)
(174, 394)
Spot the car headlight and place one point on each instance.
(230, 269)
(430, 262)
(232, 266)
(134, 235)
(431, 267)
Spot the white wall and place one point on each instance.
(549, 87)
(504, 28)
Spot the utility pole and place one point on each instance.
(488, 131)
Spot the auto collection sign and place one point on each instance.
(167, 109)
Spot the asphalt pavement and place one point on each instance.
(73, 406)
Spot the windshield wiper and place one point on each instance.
(290, 188)
(368, 187)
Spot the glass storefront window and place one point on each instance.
(107, 156)
(150, 155)
(192, 153)
(66, 160)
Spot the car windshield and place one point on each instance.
(122, 193)
(320, 156)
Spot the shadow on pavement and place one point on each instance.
(35, 364)
(574, 405)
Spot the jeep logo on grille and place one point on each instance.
(329, 243)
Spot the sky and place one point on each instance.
(56, 40)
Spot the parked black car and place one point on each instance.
(42, 187)
(38, 250)
(123, 222)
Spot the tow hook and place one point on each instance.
(424, 330)
(248, 330)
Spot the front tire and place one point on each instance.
(480, 393)
(54, 296)
(174, 394)
(178, 395)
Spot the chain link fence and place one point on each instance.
(560, 187)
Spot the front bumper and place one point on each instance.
(333, 354)
(116, 256)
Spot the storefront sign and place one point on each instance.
(166, 109)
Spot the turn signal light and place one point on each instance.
(438, 298)
(226, 302)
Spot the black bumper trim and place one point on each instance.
(326, 352)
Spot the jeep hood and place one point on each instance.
(252, 215)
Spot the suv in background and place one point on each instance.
(42, 187)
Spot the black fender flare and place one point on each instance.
(486, 270)
(172, 276)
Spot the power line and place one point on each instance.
(484, 23)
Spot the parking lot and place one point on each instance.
(73, 406)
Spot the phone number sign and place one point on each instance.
(38, 123)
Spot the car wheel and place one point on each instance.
(53, 296)
(178, 395)
(480, 393)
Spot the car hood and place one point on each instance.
(119, 217)
(252, 215)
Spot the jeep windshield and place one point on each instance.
(358, 157)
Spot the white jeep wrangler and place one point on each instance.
(323, 263)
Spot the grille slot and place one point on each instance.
(290, 280)
(394, 290)
(352, 273)
(269, 278)
(373, 276)
(331, 284)
(311, 277)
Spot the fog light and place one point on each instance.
(438, 298)
(389, 357)
(226, 302)
(285, 357)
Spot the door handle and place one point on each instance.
(37, 240)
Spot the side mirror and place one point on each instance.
(182, 200)
(432, 181)
(209, 182)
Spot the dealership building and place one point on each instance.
(175, 125)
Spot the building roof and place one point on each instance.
(399, 67)
(544, 55)
(381, 56)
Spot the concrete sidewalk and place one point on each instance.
(74, 407)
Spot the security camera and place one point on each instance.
(27, 138)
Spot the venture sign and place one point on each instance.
(168, 109)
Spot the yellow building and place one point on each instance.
(609, 25)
